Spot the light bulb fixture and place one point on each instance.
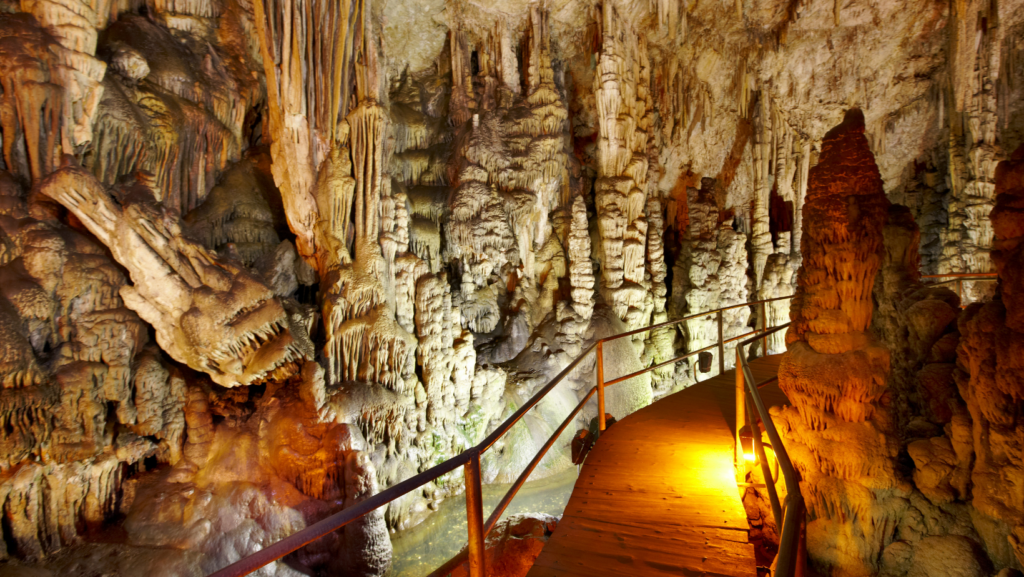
(747, 444)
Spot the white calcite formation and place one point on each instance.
(974, 149)
(779, 280)
(763, 153)
(732, 282)
(211, 315)
(625, 121)
(696, 275)
(575, 313)
(660, 343)
(363, 233)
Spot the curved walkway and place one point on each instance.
(657, 495)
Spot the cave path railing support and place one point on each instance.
(761, 333)
(789, 561)
(469, 459)
(959, 278)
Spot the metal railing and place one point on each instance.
(959, 278)
(788, 516)
(469, 460)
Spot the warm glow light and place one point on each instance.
(749, 456)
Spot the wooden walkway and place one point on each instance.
(657, 495)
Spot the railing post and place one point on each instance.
(475, 516)
(721, 344)
(600, 385)
(741, 404)
(764, 329)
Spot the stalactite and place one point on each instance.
(973, 147)
(31, 102)
(801, 195)
(75, 26)
(463, 103)
(761, 238)
(304, 115)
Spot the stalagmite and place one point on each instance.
(732, 279)
(236, 212)
(839, 432)
(660, 343)
(780, 274)
(574, 315)
(764, 178)
(697, 268)
(622, 89)
(435, 353)
(988, 365)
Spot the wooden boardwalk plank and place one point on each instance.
(657, 495)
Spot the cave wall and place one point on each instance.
(270, 258)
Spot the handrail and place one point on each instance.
(959, 278)
(787, 559)
(470, 458)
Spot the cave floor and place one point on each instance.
(657, 495)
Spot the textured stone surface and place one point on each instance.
(840, 430)
(388, 224)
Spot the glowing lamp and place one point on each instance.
(747, 444)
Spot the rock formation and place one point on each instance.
(623, 99)
(973, 150)
(261, 260)
(732, 282)
(209, 314)
(840, 431)
(696, 275)
(984, 444)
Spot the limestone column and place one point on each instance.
(838, 432)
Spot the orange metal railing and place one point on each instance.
(959, 278)
(788, 516)
(469, 460)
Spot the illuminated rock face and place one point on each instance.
(259, 260)
(987, 375)
(211, 315)
(870, 380)
(840, 430)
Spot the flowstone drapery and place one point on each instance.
(209, 314)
